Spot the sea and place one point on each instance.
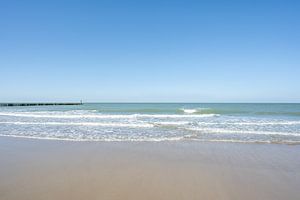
(155, 122)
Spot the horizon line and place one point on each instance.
(149, 102)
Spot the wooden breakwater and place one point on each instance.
(39, 104)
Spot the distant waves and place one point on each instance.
(166, 123)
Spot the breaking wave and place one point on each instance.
(104, 116)
(163, 122)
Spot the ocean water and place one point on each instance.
(267, 123)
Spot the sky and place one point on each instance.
(150, 51)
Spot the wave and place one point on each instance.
(229, 131)
(189, 111)
(278, 113)
(251, 123)
(172, 123)
(161, 139)
(83, 124)
(196, 111)
(287, 142)
(129, 125)
(152, 124)
(238, 111)
(103, 116)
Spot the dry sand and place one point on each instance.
(41, 170)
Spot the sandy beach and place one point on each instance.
(44, 169)
(149, 100)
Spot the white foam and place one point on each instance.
(103, 116)
(83, 124)
(67, 116)
(189, 111)
(172, 123)
(177, 116)
(268, 123)
(229, 131)
(164, 139)
(251, 123)
(161, 139)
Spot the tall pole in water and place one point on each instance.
(81, 102)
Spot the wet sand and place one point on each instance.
(43, 169)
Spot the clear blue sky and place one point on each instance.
(153, 51)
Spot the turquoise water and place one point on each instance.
(270, 123)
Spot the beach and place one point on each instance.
(150, 100)
(49, 169)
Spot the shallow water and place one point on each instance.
(270, 123)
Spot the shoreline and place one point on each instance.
(44, 169)
(154, 140)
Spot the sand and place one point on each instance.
(44, 169)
